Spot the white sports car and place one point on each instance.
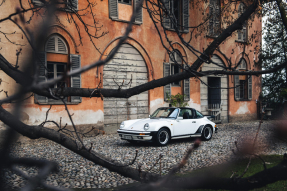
(168, 123)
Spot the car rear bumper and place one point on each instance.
(136, 135)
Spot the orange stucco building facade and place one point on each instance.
(143, 56)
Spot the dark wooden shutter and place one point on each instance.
(167, 88)
(250, 87)
(51, 45)
(41, 61)
(166, 20)
(186, 89)
(237, 87)
(113, 9)
(211, 19)
(139, 16)
(217, 18)
(72, 5)
(75, 61)
(185, 15)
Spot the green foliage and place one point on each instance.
(176, 100)
(274, 52)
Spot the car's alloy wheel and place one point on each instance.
(162, 137)
(206, 133)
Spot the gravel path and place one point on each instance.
(76, 172)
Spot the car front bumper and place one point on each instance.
(136, 135)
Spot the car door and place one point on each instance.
(184, 125)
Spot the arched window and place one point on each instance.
(243, 83)
(172, 68)
(242, 34)
(56, 61)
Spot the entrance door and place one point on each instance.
(214, 97)
(126, 70)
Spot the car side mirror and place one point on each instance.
(149, 116)
(179, 118)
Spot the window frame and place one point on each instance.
(243, 31)
(183, 15)
(243, 88)
(178, 58)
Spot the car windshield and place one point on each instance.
(165, 113)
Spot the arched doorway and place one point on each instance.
(214, 101)
(127, 67)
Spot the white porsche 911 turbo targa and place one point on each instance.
(168, 123)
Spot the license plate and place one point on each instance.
(128, 137)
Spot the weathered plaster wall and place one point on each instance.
(144, 38)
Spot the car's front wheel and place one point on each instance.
(162, 137)
(206, 133)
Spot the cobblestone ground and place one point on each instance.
(76, 172)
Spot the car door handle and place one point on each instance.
(194, 122)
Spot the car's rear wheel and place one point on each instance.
(162, 137)
(206, 133)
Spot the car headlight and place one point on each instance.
(122, 125)
(146, 126)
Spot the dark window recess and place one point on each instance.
(214, 90)
(125, 1)
(55, 70)
(175, 70)
(243, 89)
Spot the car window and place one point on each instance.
(165, 113)
(182, 111)
(199, 115)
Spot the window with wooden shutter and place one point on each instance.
(113, 9)
(52, 69)
(250, 87)
(185, 15)
(41, 61)
(167, 88)
(166, 14)
(237, 87)
(243, 84)
(214, 20)
(179, 11)
(75, 62)
(186, 89)
(139, 16)
(242, 34)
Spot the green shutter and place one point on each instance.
(41, 61)
(166, 20)
(167, 88)
(186, 89)
(72, 5)
(236, 87)
(250, 87)
(185, 15)
(75, 62)
(139, 16)
(113, 9)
